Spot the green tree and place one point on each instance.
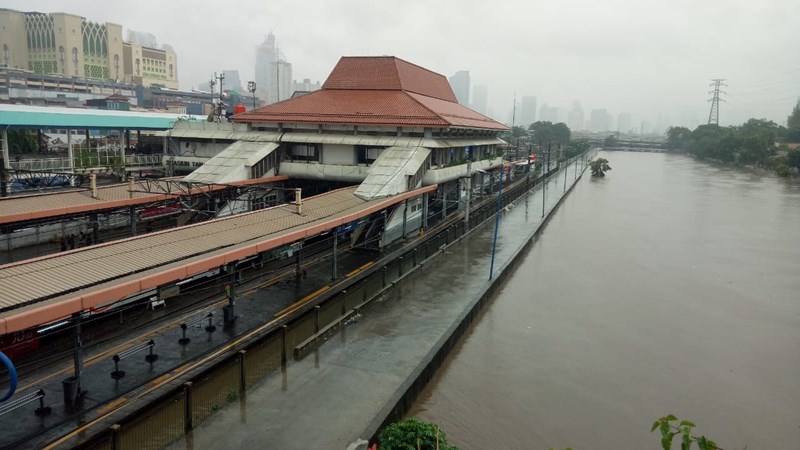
(22, 141)
(793, 158)
(678, 138)
(610, 141)
(599, 167)
(518, 131)
(793, 124)
(413, 434)
(545, 133)
(576, 147)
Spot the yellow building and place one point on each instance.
(71, 46)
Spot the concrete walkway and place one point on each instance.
(329, 398)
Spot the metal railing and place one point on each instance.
(85, 160)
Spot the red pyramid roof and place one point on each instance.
(376, 90)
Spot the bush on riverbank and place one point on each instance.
(413, 434)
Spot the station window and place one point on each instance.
(304, 152)
(367, 155)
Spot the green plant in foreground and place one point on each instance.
(684, 428)
(413, 434)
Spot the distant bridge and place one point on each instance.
(636, 149)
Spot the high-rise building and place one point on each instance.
(460, 84)
(305, 86)
(575, 117)
(232, 81)
(599, 121)
(528, 112)
(624, 123)
(143, 38)
(280, 86)
(548, 114)
(67, 45)
(266, 54)
(480, 99)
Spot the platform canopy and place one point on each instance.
(39, 117)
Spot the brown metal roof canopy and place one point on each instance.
(39, 291)
(43, 206)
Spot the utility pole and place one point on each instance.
(713, 115)
(468, 187)
(211, 84)
(219, 77)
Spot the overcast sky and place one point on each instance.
(646, 57)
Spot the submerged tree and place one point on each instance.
(599, 167)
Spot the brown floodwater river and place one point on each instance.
(669, 286)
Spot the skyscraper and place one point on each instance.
(460, 84)
(266, 54)
(528, 113)
(599, 121)
(232, 81)
(575, 117)
(480, 99)
(548, 114)
(624, 123)
(280, 86)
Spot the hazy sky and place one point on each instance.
(646, 57)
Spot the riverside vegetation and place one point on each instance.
(757, 142)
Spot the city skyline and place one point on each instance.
(661, 71)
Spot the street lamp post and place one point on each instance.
(251, 87)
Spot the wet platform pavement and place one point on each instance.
(256, 305)
(329, 398)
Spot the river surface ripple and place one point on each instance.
(669, 286)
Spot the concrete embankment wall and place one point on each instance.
(406, 394)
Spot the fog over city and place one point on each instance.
(653, 59)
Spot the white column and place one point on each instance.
(5, 149)
(7, 164)
(122, 152)
(70, 155)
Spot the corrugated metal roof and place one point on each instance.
(387, 175)
(233, 163)
(40, 206)
(20, 116)
(45, 289)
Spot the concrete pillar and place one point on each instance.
(335, 260)
(124, 144)
(229, 311)
(425, 210)
(132, 215)
(70, 154)
(6, 164)
(405, 216)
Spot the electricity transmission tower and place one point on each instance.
(713, 115)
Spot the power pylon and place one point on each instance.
(713, 115)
